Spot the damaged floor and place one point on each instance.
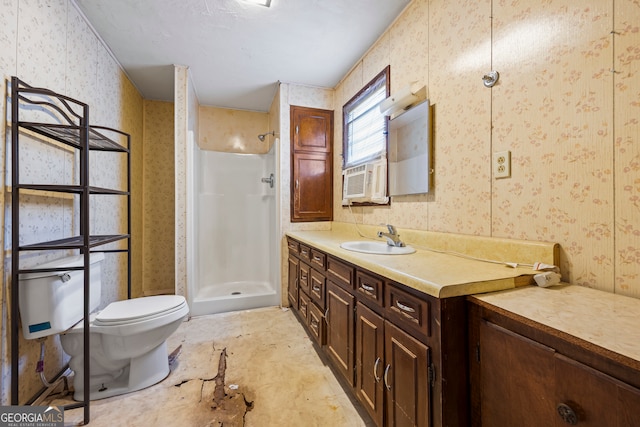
(271, 376)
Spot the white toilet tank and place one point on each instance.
(52, 302)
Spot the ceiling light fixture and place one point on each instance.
(266, 3)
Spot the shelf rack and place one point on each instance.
(68, 124)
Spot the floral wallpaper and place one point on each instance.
(566, 106)
(49, 44)
(626, 147)
(158, 191)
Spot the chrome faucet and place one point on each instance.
(393, 238)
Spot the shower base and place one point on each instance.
(233, 296)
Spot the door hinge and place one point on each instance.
(478, 352)
(431, 371)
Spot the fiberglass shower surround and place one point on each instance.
(235, 232)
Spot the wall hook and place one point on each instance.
(491, 78)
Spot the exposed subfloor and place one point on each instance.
(270, 359)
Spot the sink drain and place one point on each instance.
(236, 293)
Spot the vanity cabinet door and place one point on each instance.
(340, 329)
(517, 379)
(593, 398)
(628, 406)
(370, 361)
(292, 287)
(525, 383)
(406, 379)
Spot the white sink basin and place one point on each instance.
(380, 248)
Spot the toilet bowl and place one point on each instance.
(128, 349)
(128, 345)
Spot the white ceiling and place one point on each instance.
(238, 52)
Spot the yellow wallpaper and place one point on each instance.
(49, 44)
(158, 198)
(565, 68)
(233, 131)
(626, 147)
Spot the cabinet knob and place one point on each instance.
(567, 414)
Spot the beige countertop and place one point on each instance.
(431, 271)
(607, 320)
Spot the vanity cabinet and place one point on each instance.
(527, 375)
(402, 353)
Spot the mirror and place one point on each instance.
(409, 152)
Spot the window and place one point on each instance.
(364, 127)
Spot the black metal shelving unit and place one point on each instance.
(69, 126)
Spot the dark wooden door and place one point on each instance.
(312, 193)
(525, 383)
(517, 379)
(312, 129)
(628, 406)
(311, 164)
(370, 361)
(406, 379)
(292, 288)
(340, 329)
(593, 398)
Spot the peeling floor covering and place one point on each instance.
(269, 357)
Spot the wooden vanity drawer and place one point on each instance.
(305, 252)
(317, 288)
(407, 310)
(303, 307)
(305, 277)
(315, 320)
(341, 273)
(369, 287)
(318, 259)
(294, 247)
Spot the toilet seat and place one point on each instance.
(137, 315)
(138, 309)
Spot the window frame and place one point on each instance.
(386, 74)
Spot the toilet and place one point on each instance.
(128, 348)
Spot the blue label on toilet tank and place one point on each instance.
(39, 327)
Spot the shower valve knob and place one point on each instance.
(269, 180)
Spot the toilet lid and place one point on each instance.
(139, 308)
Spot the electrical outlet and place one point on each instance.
(502, 164)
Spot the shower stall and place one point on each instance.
(233, 234)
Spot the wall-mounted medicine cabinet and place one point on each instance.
(409, 151)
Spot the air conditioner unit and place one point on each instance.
(365, 183)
